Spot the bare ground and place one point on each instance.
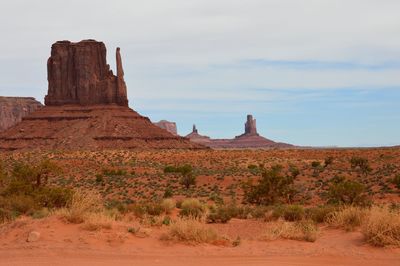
(68, 244)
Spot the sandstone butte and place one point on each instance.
(168, 126)
(13, 109)
(249, 139)
(86, 107)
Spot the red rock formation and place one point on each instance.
(250, 127)
(197, 138)
(79, 74)
(86, 108)
(250, 139)
(13, 109)
(168, 126)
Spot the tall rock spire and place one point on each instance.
(122, 97)
(250, 127)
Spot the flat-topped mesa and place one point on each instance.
(78, 73)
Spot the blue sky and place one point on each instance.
(312, 72)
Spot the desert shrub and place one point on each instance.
(317, 168)
(117, 205)
(382, 227)
(35, 173)
(98, 220)
(254, 169)
(168, 205)
(294, 171)
(154, 209)
(304, 230)
(188, 180)
(315, 164)
(168, 193)
(146, 208)
(5, 215)
(83, 203)
(183, 169)
(243, 212)
(343, 191)
(221, 214)
(22, 204)
(3, 176)
(99, 178)
(42, 213)
(348, 218)
(190, 231)
(396, 181)
(192, 208)
(289, 212)
(320, 214)
(114, 172)
(360, 164)
(169, 169)
(328, 161)
(22, 196)
(52, 197)
(273, 187)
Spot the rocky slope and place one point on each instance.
(13, 109)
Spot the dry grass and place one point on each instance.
(86, 207)
(382, 227)
(190, 231)
(97, 221)
(348, 218)
(168, 205)
(305, 230)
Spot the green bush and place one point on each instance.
(168, 193)
(184, 169)
(289, 212)
(188, 180)
(273, 187)
(150, 208)
(221, 214)
(293, 213)
(320, 214)
(315, 164)
(52, 197)
(343, 191)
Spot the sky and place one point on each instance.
(312, 72)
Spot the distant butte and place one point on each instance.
(249, 139)
(86, 107)
(168, 126)
(13, 109)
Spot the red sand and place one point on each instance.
(68, 244)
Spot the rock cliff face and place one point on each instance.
(79, 74)
(250, 139)
(13, 109)
(87, 108)
(168, 126)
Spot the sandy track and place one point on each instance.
(68, 244)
